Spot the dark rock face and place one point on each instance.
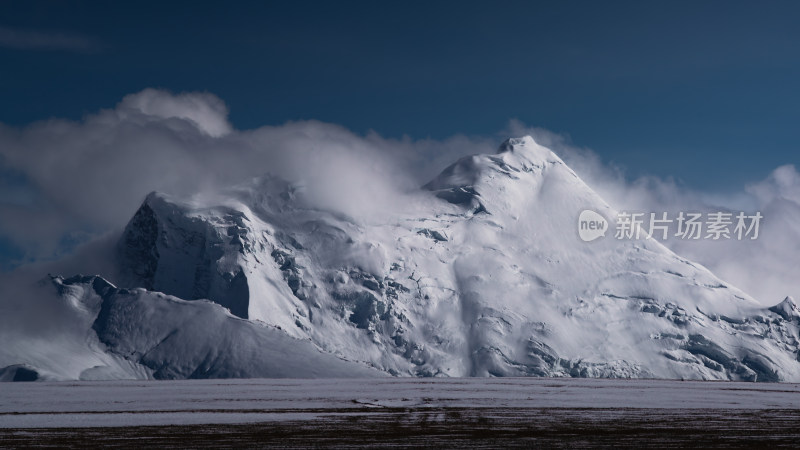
(138, 249)
(161, 250)
(18, 372)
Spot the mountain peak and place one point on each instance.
(520, 165)
(527, 148)
(786, 309)
(499, 285)
(510, 144)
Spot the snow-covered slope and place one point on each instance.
(481, 273)
(141, 334)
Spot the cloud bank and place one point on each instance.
(79, 178)
(66, 182)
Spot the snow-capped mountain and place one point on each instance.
(482, 273)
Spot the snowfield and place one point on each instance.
(400, 412)
(186, 402)
(484, 275)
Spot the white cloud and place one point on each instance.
(205, 111)
(782, 183)
(87, 178)
(91, 175)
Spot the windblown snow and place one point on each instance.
(484, 276)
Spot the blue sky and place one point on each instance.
(674, 88)
(704, 92)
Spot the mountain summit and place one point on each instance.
(487, 276)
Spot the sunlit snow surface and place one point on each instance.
(481, 273)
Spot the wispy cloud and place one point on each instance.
(20, 39)
(64, 181)
(93, 174)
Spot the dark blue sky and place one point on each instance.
(706, 92)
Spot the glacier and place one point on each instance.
(480, 273)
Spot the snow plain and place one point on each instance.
(186, 402)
